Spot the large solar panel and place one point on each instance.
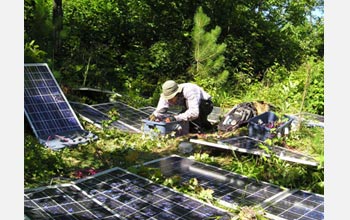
(232, 190)
(115, 194)
(250, 145)
(48, 111)
(96, 117)
(128, 114)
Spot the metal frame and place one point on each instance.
(258, 151)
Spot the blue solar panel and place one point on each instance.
(232, 190)
(298, 204)
(48, 111)
(115, 194)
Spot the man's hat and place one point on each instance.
(170, 89)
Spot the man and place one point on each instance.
(195, 102)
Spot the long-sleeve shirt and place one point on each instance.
(190, 100)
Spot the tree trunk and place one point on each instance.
(57, 20)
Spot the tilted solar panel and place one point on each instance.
(233, 190)
(128, 114)
(116, 194)
(250, 145)
(97, 117)
(48, 111)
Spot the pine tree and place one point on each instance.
(207, 69)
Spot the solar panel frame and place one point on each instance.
(245, 144)
(48, 111)
(97, 90)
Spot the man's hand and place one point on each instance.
(152, 117)
(170, 119)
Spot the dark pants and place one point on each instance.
(201, 123)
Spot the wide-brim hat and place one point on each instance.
(170, 88)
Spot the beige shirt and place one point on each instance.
(192, 95)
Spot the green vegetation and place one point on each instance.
(240, 51)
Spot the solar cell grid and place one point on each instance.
(116, 194)
(128, 114)
(298, 205)
(232, 189)
(47, 109)
(97, 117)
(40, 86)
(63, 202)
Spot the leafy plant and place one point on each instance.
(42, 164)
(32, 53)
(192, 187)
(251, 213)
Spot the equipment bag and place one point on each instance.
(238, 116)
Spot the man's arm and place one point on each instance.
(162, 108)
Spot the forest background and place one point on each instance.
(236, 50)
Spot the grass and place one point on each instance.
(117, 148)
